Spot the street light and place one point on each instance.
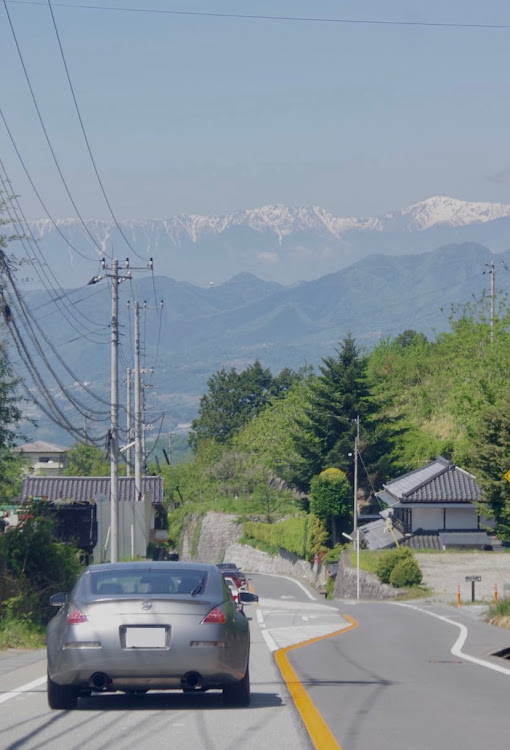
(348, 536)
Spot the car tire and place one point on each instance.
(238, 694)
(61, 696)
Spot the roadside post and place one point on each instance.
(458, 595)
(473, 579)
(495, 593)
(352, 538)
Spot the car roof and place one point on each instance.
(152, 565)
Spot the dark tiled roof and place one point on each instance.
(377, 535)
(465, 539)
(438, 482)
(83, 489)
(425, 541)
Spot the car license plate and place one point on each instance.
(145, 637)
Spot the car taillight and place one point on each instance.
(75, 617)
(215, 615)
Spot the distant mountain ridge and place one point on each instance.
(283, 220)
(276, 243)
(205, 328)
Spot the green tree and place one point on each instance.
(324, 434)
(331, 500)
(491, 461)
(234, 398)
(33, 565)
(10, 412)
(86, 461)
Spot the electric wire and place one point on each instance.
(37, 193)
(26, 311)
(260, 17)
(85, 135)
(67, 311)
(53, 412)
(29, 327)
(26, 243)
(161, 419)
(48, 140)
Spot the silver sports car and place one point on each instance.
(148, 626)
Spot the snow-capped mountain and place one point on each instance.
(439, 210)
(275, 242)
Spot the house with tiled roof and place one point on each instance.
(42, 458)
(137, 516)
(433, 506)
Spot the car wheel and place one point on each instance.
(238, 694)
(61, 696)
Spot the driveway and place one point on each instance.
(444, 571)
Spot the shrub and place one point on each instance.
(304, 536)
(388, 561)
(406, 573)
(34, 565)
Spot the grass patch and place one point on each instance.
(368, 559)
(256, 544)
(415, 592)
(499, 613)
(21, 634)
(330, 587)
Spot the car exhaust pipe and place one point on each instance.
(99, 680)
(191, 681)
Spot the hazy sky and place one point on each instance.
(209, 114)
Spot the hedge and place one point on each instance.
(302, 535)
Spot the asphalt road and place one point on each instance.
(406, 677)
(417, 676)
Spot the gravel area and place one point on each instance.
(444, 571)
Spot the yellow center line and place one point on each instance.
(317, 728)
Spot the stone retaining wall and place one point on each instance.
(251, 560)
(370, 587)
(218, 542)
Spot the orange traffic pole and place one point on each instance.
(495, 593)
(458, 595)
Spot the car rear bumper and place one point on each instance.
(148, 669)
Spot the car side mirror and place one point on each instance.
(57, 600)
(247, 596)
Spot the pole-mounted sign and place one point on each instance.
(473, 579)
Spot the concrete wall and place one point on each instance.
(134, 529)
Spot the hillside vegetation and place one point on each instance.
(265, 446)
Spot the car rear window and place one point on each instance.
(121, 583)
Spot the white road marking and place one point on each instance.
(270, 642)
(298, 583)
(23, 689)
(456, 649)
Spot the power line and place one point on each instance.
(261, 17)
(14, 212)
(36, 191)
(50, 145)
(29, 325)
(85, 135)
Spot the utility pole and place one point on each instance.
(492, 274)
(114, 418)
(355, 525)
(113, 434)
(128, 422)
(355, 499)
(138, 410)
